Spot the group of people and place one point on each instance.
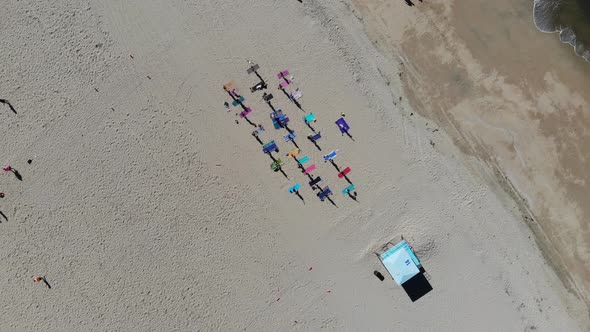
(11, 169)
(259, 128)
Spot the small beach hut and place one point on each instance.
(401, 262)
(405, 268)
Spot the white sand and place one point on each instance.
(163, 214)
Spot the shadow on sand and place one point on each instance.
(6, 102)
(417, 286)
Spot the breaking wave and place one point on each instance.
(570, 18)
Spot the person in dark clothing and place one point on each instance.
(6, 102)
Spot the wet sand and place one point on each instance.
(511, 96)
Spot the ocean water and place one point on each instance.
(570, 18)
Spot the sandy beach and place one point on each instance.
(146, 205)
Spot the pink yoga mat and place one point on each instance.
(283, 74)
(246, 112)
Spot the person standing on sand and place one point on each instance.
(296, 192)
(299, 195)
(9, 168)
(6, 102)
(39, 279)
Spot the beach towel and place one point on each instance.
(344, 172)
(269, 147)
(228, 86)
(238, 101)
(295, 188)
(348, 189)
(342, 125)
(283, 74)
(309, 118)
(290, 137)
(253, 69)
(276, 165)
(246, 112)
(296, 95)
(331, 155)
(315, 138)
(293, 153)
(324, 193)
(315, 181)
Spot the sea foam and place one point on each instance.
(556, 16)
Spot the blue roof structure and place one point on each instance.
(401, 262)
